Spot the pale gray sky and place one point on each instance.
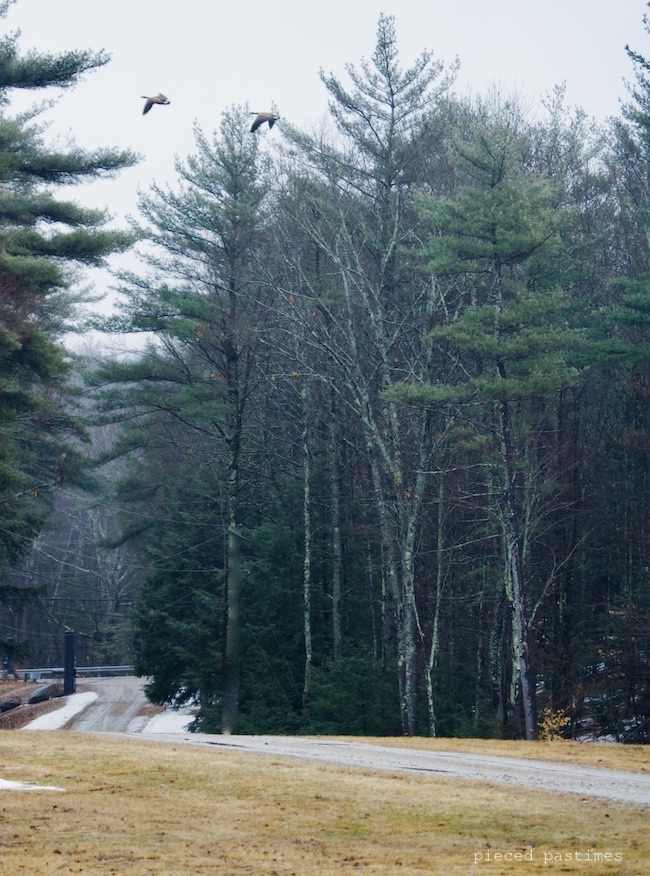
(207, 55)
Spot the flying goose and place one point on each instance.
(271, 118)
(159, 98)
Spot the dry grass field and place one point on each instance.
(135, 807)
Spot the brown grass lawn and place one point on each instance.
(133, 807)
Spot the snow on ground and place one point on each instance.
(169, 721)
(60, 717)
(6, 785)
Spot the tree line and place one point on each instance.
(380, 465)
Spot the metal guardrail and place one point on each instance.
(80, 671)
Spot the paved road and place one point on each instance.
(118, 703)
(120, 700)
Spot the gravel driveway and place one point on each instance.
(624, 787)
(121, 700)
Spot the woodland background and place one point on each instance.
(380, 463)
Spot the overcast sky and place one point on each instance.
(207, 55)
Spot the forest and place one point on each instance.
(379, 463)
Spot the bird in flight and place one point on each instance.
(159, 98)
(271, 118)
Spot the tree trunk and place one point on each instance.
(306, 579)
(408, 663)
(435, 635)
(335, 516)
(231, 660)
(523, 661)
(400, 588)
(231, 652)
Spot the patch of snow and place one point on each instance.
(52, 721)
(169, 721)
(138, 724)
(6, 785)
(75, 703)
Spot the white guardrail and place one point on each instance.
(80, 672)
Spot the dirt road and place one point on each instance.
(121, 700)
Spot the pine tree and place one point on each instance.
(43, 238)
(507, 331)
(193, 389)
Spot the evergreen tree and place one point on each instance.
(42, 238)
(178, 617)
(193, 388)
(402, 449)
(508, 331)
(619, 575)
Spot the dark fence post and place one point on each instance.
(69, 668)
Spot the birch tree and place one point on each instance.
(372, 310)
